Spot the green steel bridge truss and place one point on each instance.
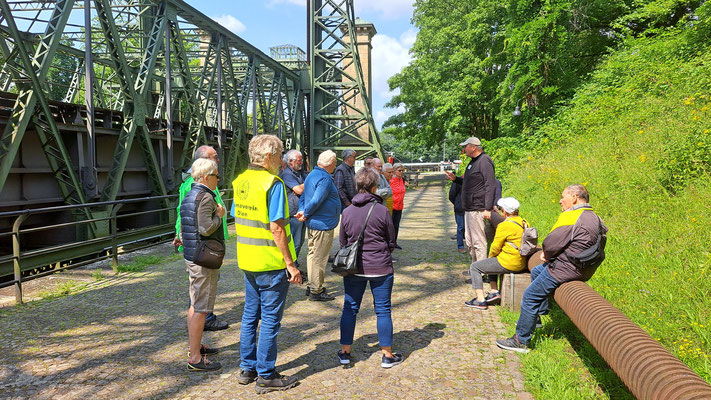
(106, 100)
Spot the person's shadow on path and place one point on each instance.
(324, 357)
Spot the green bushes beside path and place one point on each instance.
(638, 136)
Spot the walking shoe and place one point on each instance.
(323, 296)
(274, 382)
(204, 351)
(453, 237)
(493, 297)
(344, 358)
(473, 303)
(308, 291)
(465, 273)
(513, 344)
(246, 377)
(389, 362)
(204, 365)
(215, 325)
(462, 250)
(468, 280)
(397, 246)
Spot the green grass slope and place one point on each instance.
(638, 137)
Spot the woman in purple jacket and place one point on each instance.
(374, 266)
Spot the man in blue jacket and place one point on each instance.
(320, 208)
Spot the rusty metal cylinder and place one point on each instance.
(648, 369)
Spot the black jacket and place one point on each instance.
(455, 197)
(478, 184)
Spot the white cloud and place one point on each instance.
(389, 57)
(231, 23)
(382, 115)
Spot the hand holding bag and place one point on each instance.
(346, 260)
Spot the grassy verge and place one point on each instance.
(638, 136)
(140, 263)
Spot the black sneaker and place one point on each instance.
(275, 382)
(246, 377)
(215, 325)
(513, 344)
(389, 362)
(344, 358)
(323, 296)
(204, 365)
(308, 291)
(465, 273)
(397, 246)
(493, 297)
(474, 303)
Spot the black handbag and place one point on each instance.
(346, 260)
(209, 253)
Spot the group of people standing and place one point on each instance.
(489, 219)
(277, 207)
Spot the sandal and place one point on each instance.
(204, 351)
(204, 365)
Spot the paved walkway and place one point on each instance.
(125, 337)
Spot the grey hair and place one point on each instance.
(578, 191)
(387, 166)
(347, 153)
(376, 161)
(201, 152)
(398, 165)
(290, 155)
(262, 145)
(203, 167)
(328, 157)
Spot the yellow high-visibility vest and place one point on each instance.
(256, 249)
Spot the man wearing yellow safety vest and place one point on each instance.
(265, 254)
(578, 231)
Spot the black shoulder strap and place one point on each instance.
(362, 231)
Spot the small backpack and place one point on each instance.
(529, 240)
(594, 255)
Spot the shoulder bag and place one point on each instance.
(346, 260)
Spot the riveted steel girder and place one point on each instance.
(340, 107)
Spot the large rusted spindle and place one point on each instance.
(645, 366)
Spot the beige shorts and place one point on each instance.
(203, 287)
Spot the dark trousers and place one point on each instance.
(397, 216)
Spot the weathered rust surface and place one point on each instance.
(648, 369)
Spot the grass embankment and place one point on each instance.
(638, 136)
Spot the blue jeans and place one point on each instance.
(298, 232)
(460, 230)
(382, 289)
(535, 302)
(265, 294)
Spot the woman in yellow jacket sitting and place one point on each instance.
(503, 254)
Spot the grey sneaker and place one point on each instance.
(389, 362)
(246, 377)
(323, 296)
(493, 297)
(275, 382)
(513, 344)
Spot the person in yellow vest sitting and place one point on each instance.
(504, 256)
(265, 254)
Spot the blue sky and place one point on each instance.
(269, 23)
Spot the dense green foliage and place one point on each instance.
(474, 61)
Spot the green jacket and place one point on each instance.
(184, 189)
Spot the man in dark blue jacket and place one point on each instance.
(320, 207)
(293, 176)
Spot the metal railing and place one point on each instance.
(77, 253)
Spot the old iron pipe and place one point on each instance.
(648, 369)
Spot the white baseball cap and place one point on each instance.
(508, 204)
(472, 140)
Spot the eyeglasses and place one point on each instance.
(215, 175)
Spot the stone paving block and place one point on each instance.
(125, 337)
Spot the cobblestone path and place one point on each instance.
(125, 336)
